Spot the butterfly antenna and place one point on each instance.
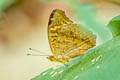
(37, 51)
(36, 55)
(43, 54)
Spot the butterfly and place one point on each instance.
(66, 39)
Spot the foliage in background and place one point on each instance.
(100, 63)
(5, 3)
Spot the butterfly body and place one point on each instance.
(67, 40)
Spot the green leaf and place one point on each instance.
(114, 26)
(100, 63)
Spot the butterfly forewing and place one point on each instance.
(67, 40)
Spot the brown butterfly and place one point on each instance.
(67, 40)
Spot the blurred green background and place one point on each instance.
(23, 24)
